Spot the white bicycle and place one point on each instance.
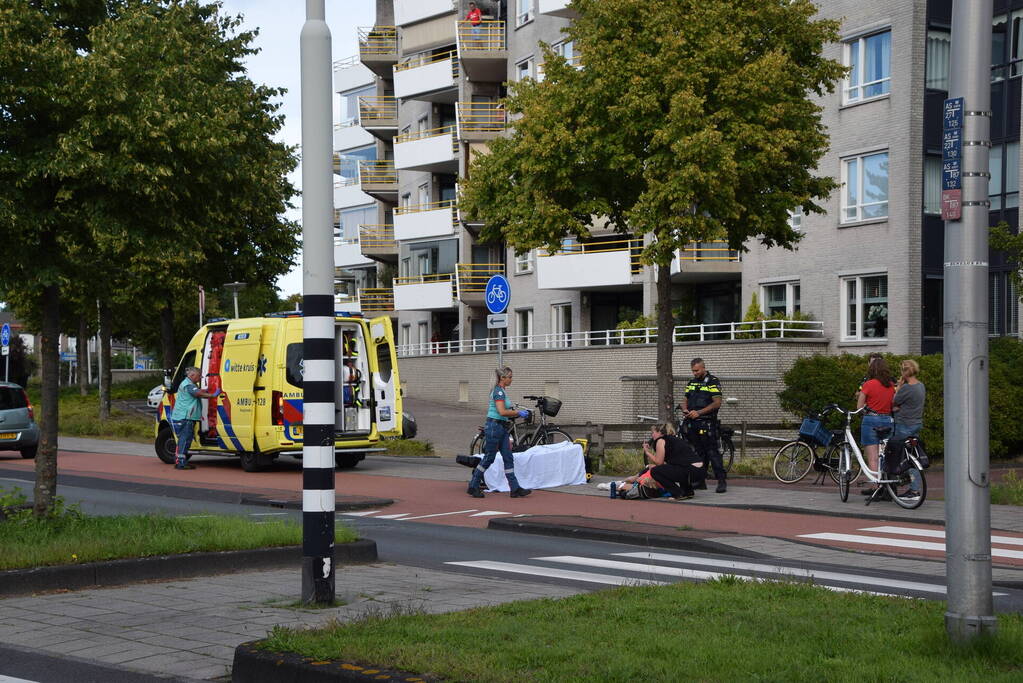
(910, 482)
(496, 295)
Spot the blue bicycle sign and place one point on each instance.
(5, 335)
(498, 294)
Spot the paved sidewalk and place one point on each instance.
(190, 628)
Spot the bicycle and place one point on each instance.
(543, 433)
(890, 481)
(794, 460)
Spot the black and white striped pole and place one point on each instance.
(317, 311)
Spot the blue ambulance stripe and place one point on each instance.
(228, 428)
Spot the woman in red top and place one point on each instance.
(877, 394)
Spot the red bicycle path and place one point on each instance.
(446, 502)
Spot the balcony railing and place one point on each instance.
(376, 299)
(484, 36)
(432, 206)
(415, 61)
(633, 246)
(423, 279)
(374, 109)
(473, 277)
(414, 135)
(764, 329)
(480, 117)
(346, 62)
(377, 237)
(346, 182)
(378, 40)
(708, 251)
(377, 172)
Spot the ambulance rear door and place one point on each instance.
(239, 370)
(386, 386)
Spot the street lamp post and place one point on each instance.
(234, 288)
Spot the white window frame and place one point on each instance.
(423, 193)
(524, 331)
(561, 336)
(406, 336)
(858, 45)
(791, 307)
(530, 70)
(860, 205)
(796, 217)
(861, 309)
(526, 15)
(524, 262)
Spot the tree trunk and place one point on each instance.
(83, 355)
(665, 346)
(105, 374)
(170, 356)
(45, 490)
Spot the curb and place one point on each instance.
(119, 572)
(252, 665)
(340, 504)
(865, 512)
(525, 526)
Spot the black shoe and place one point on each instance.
(702, 486)
(520, 492)
(682, 497)
(475, 493)
(722, 486)
(868, 492)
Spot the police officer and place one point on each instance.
(700, 409)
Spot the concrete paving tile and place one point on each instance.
(182, 663)
(137, 651)
(108, 649)
(225, 652)
(74, 646)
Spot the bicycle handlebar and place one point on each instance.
(532, 398)
(834, 407)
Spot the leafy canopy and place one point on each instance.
(689, 120)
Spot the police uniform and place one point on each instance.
(703, 431)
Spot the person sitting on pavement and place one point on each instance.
(495, 437)
(641, 485)
(676, 464)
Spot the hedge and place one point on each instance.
(816, 381)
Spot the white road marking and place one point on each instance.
(11, 679)
(490, 513)
(589, 577)
(397, 516)
(365, 513)
(934, 533)
(441, 514)
(902, 543)
(266, 514)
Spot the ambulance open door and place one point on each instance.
(386, 385)
(238, 372)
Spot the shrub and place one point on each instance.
(753, 316)
(633, 329)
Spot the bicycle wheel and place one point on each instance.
(900, 491)
(727, 450)
(792, 462)
(476, 447)
(551, 436)
(844, 478)
(831, 459)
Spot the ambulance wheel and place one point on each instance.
(165, 445)
(348, 460)
(251, 462)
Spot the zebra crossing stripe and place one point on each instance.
(440, 514)
(934, 533)
(902, 543)
(554, 573)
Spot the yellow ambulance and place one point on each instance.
(257, 363)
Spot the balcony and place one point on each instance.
(706, 262)
(378, 49)
(480, 121)
(378, 241)
(379, 179)
(346, 303)
(430, 77)
(557, 8)
(376, 300)
(424, 292)
(348, 193)
(349, 74)
(482, 50)
(427, 150)
(590, 266)
(348, 254)
(350, 135)
(411, 11)
(379, 116)
(471, 280)
(437, 219)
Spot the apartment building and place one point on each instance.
(871, 268)
(417, 102)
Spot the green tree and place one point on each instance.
(136, 162)
(690, 120)
(1004, 239)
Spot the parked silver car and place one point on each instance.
(18, 429)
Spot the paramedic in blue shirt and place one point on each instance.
(187, 411)
(495, 437)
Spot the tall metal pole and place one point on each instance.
(317, 311)
(967, 494)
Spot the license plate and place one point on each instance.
(9, 435)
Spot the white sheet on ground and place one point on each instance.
(559, 464)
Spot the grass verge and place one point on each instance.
(79, 415)
(1008, 491)
(725, 630)
(407, 447)
(73, 538)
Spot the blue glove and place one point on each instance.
(216, 393)
(523, 414)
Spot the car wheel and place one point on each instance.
(166, 445)
(348, 460)
(30, 452)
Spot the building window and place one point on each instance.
(865, 307)
(352, 218)
(865, 187)
(406, 336)
(869, 62)
(524, 328)
(1007, 46)
(524, 69)
(350, 104)
(424, 337)
(424, 195)
(348, 163)
(939, 47)
(1003, 305)
(1003, 189)
(524, 262)
(932, 184)
(933, 301)
(781, 299)
(561, 324)
(796, 218)
(524, 14)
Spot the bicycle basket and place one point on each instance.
(550, 406)
(813, 430)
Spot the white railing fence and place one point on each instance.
(716, 332)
